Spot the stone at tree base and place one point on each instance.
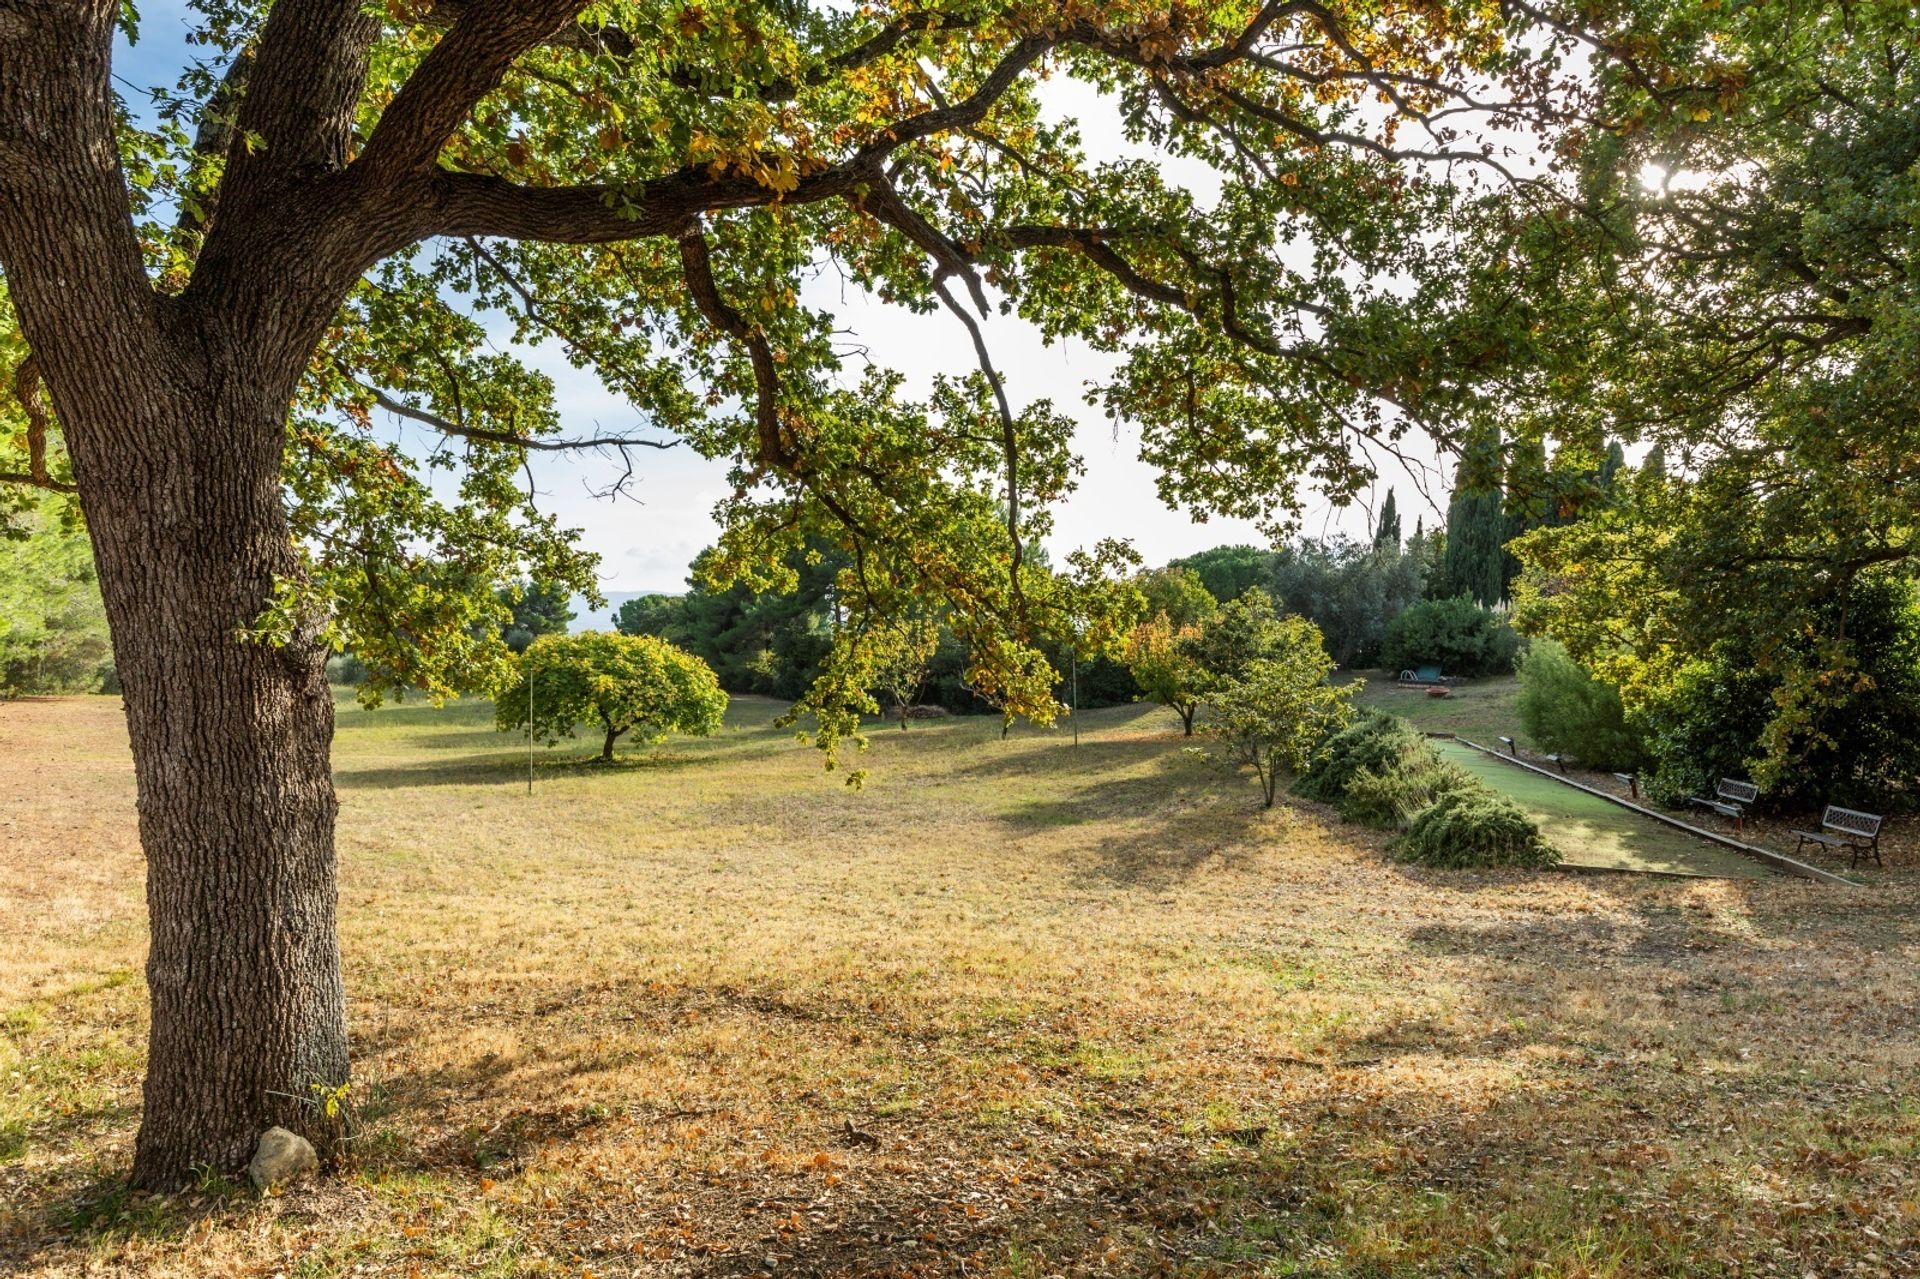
(281, 1158)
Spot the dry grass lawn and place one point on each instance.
(1018, 1009)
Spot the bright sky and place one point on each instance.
(646, 544)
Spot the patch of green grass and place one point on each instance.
(1590, 831)
(1484, 710)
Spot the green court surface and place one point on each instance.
(1592, 832)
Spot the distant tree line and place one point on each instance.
(1387, 599)
(53, 625)
(775, 643)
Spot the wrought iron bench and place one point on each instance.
(1858, 833)
(1730, 799)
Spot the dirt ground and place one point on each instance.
(1018, 1008)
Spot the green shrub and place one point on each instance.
(1380, 772)
(1565, 709)
(1391, 796)
(1458, 634)
(1474, 827)
(1861, 744)
(1370, 743)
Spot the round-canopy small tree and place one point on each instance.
(1270, 715)
(637, 684)
(1158, 657)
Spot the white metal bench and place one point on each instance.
(1857, 832)
(1730, 799)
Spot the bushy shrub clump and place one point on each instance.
(1370, 743)
(1458, 634)
(1474, 827)
(1860, 745)
(1565, 709)
(1390, 797)
(1379, 772)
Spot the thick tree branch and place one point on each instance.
(883, 202)
(481, 205)
(304, 86)
(469, 62)
(68, 247)
(697, 265)
(214, 138)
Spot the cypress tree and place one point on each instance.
(1616, 458)
(1656, 463)
(1476, 527)
(1530, 503)
(1386, 534)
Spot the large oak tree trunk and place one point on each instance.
(230, 743)
(174, 411)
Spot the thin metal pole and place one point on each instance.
(1074, 715)
(529, 728)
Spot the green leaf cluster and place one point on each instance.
(621, 685)
(1269, 712)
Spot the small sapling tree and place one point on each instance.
(902, 657)
(1159, 657)
(622, 684)
(1269, 717)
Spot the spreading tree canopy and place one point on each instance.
(228, 289)
(1270, 715)
(618, 684)
(1736, 291)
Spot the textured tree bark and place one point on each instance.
(178, 456)
(230, 744)
(174, 412)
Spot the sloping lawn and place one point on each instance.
(1017, 1009)
(1593, 833)
(1479, 709)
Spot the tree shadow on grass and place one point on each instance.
(510, 768)
(1160, 826)
(102, 1209)
(484, 770)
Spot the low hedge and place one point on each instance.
(1380, 772)
(1474, 827)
